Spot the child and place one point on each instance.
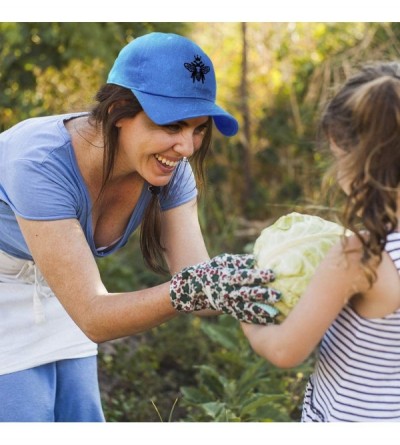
(353, 301)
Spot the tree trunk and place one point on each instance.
(246, 130)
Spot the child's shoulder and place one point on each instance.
(347, 252)
(383, 296)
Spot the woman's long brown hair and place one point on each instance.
(115, 103)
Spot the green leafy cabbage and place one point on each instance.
(293, 247)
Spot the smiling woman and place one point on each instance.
(94, 178)
(157, 148)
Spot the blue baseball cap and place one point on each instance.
(172, 78)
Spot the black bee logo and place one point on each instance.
(198, 69)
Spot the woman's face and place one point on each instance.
(342, 171)
(154, 151)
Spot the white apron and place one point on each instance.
(34, 327)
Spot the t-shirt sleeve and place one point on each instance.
(39, 191)
(181, 189)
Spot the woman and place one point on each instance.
(74, 187)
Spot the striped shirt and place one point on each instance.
(357, 377)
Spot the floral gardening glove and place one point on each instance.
(226, 283)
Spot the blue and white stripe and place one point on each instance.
(357, 377)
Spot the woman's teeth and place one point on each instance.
(165, 161)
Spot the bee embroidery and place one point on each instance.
(198, 69)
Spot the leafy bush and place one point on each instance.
(140, 376)
(196, 370)
(235, 385)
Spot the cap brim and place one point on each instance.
(163, 110)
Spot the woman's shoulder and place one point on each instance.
(35, 138)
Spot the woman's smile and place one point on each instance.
(165, 164)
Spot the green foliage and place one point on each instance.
(27, 50)
(192, 370)
(140, 377)
(235, 385)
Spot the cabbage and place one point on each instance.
(293, 247)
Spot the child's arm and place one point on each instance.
(336, 280)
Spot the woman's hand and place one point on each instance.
(227, 283)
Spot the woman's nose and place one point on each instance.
(185, 146)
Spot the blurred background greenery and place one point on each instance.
(275, 78)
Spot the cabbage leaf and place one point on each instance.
(293, 247)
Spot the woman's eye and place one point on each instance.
(173, 127)
(201, 130)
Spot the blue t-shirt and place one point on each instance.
(40, 180)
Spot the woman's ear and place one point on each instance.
(118, 104)
(118, 123)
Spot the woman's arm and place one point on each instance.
(336, 280)
(184, 243)
(62, 254)
(182, 237)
